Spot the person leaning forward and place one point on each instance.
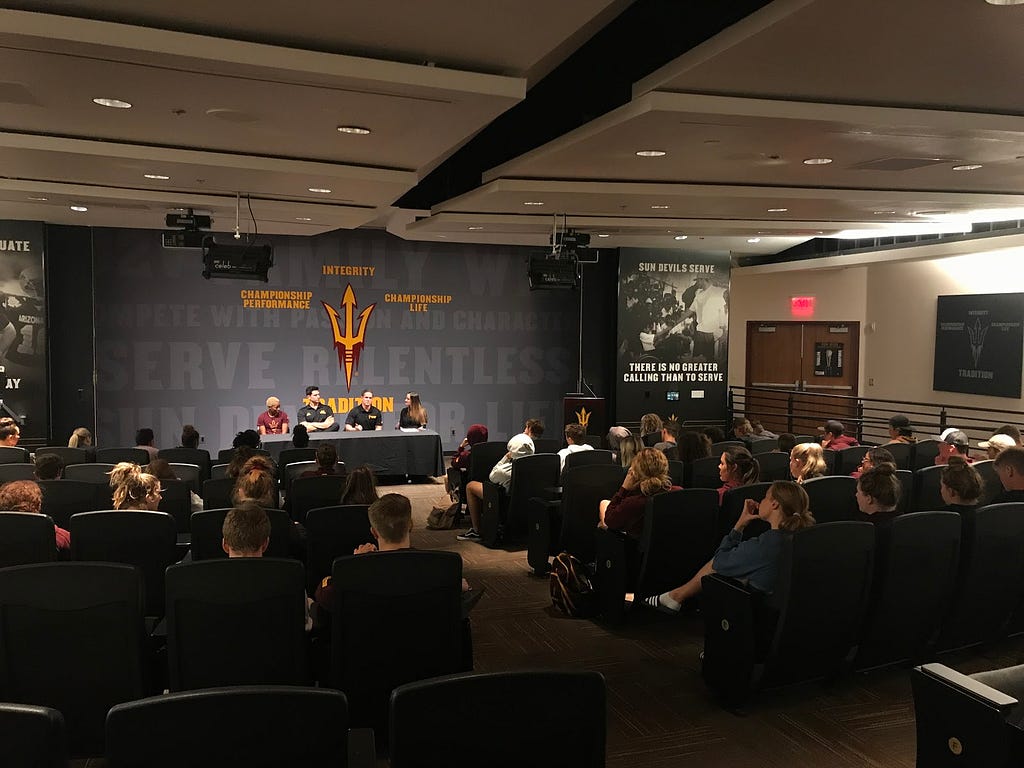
(318, 415)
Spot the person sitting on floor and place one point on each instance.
(900, 430)
(669, 438)
(27, 496)
(960, 485)
(574, 435)
(134, 489)
(326, 462)
(360, 486)
(834, 437)
(49, 466)
(954, 442)
(736, 468)
(874, 458)
(806, 461)
(647, 477)
(1009, 466)
(519, 446)
(785, 508)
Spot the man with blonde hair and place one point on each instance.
(273, 421)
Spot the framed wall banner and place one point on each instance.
(979, 344)
(828, 359)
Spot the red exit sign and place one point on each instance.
(801, 306)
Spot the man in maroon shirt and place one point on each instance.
(273, 421)
(834, 437)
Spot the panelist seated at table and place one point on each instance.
(273, 421)
(318, 416)
(364, 417)
(414, 415)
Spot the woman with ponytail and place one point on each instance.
(647, 476)
(806, 461)
(736, 468)
(785, 508)
(878, 494)
(134, 489)
(960, 485)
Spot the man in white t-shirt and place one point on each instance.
(574, 437)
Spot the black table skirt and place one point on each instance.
(388, 453)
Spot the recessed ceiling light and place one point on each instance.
(1004, 2)
(817, 161)
(604, 235)
(79, 208)
(651, 153)
(680, 237)
(303, 218)
(320, 190)
(777, 210)
(442, 235)
(354, 129)
(753, 239)
(39, 199)
(659, 207)
(156, 176)
(533, 202)
(114, 103)
(884, 213)
(474, 229)
(968, 167)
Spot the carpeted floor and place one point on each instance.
(659, 714)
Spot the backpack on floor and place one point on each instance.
(571, 590)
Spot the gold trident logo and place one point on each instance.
(349, 345)
(583, 416)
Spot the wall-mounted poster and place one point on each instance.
(828, 358)
(673, 341)
(979, 344)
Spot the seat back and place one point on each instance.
(925, 452)
(292, 456)
(289, 472)
(492, 706)
(11, 454)
(717, 449)
(757, 447)
(583, 488)
(11, 472)
(903, 453)
(306, 493)
(546, 445)
(67, 454)
(218, 471)
(63, 498)
(677, 473)
(848, 459)
(116, 455)
(217, 493)
(991, 486)
(146, 540)
(772, 467)
(833, 498)
(579, 458)
(927, 494)
(274, 725)
(531, 476)
(380, 600)
(26, 538)
(483, 458)
(334, 531)
(236, 622)
(705, 472)
(594, 441)
(680, 535)
(91, 472)
(189, 473)
(824, 584)
(206, 527)
(33, 736)
(71, 638)
(990, 584)
(916, 564)
(732, 505)
(176, 500)
(906, 503)
(198, 456)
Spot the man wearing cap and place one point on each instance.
(997, 444)
(953, 442)
(900, 430)
(834, 438)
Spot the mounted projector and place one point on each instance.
(189, 220)
(570, 240)
(551, 272)
(238, 262)
(189, 236)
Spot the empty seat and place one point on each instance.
(190, 473)
(925, 452)
(176, 500)
(68, 455)
(11, 454)
(117, 455)
(772, 467)
(26, 538)
(92, 472)
(307, 493)
(902, 453)
(545, 445)
(218, 471)
(333, 532)
(198, 456)
(501, 725)
(757, 447)
(11, 472)
(927, 494)
(832, 499)
(504, 515)
(705, 472)
(63, 498)
(33, 736)
(217, 492)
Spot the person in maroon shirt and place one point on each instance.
(834, 437)
(273, 421)
(26, 496)
(647, 476)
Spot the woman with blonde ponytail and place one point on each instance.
(785, 508)
(647, 476)
(134, 489)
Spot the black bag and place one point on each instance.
(571, 590)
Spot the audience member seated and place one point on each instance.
(161, 469)
(669, 436)
(714, 434)
(629, 447)
(874, 458)
(238, 461)
(574, 434)
(255, 485)
(190, 437)
(900, 430)
(413, 415)
(26, 496)
(960, 485)
(997, 444)
(692, 446)
(736, 468)
(249, 438)
(761, 432)
(647, 476)
(477, 433)
(650, 429)
(953, 443)
(787, 440)
(519, 446)
(300, 437)
(1009, 466)
(134, 489)
(10, 433)
(145, 440)
(1012, 431)
(744, 431)
(49, 466)
(878, 494)
(326, 462)
(755, 560)
(807, 461)
(80, 438)
(615, 436)
(834, 437)
(360, 487)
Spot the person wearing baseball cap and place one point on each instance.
(834, 437)
(900, 430)
(997, 444)
(953, 442)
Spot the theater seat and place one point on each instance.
(32, 736)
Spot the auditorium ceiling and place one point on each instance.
(758, 125)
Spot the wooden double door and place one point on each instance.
(810, 362)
